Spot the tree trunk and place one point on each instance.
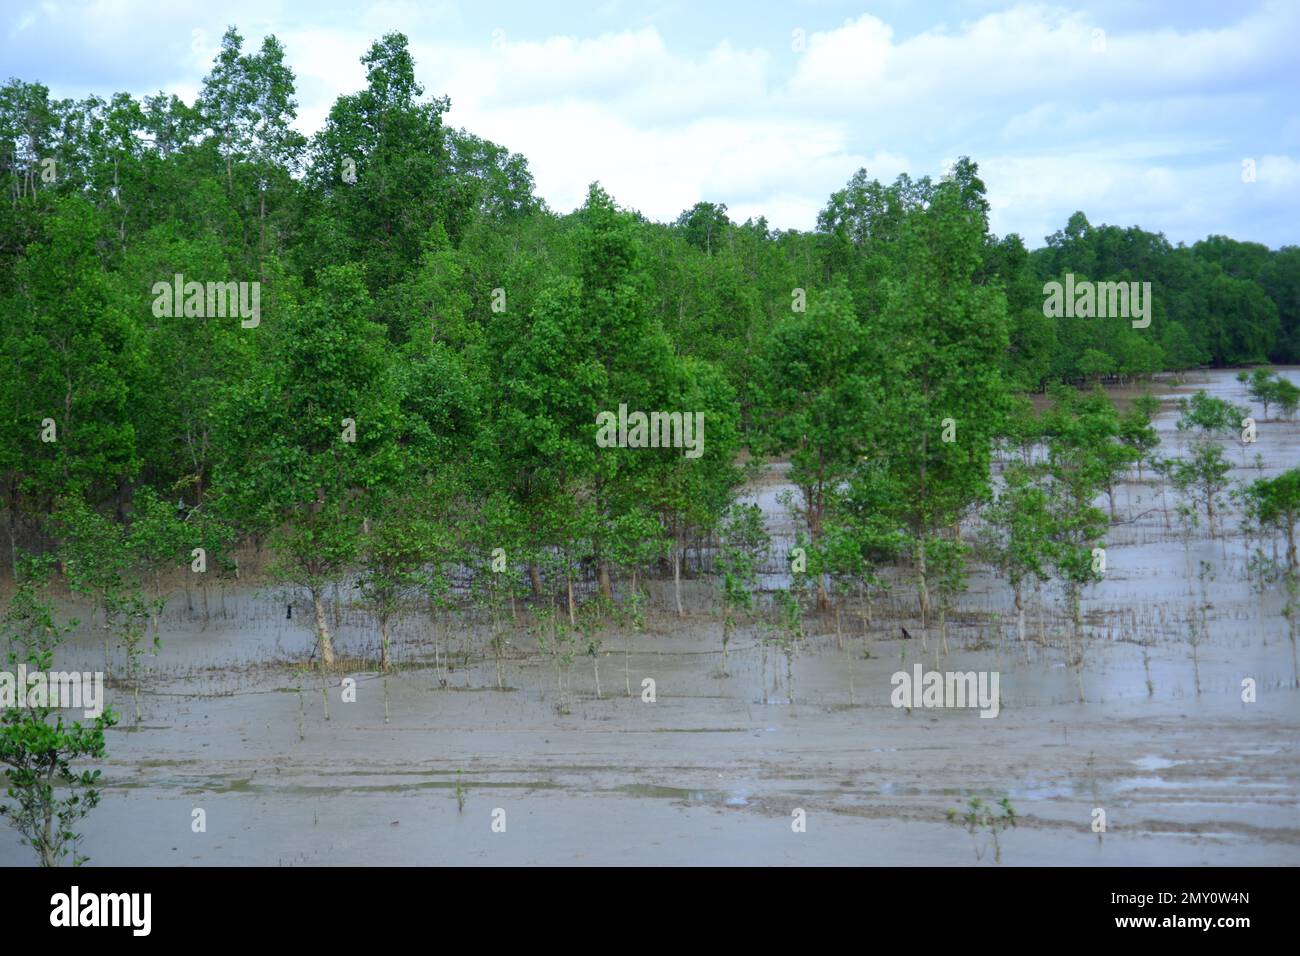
(814, 498)
(535, 576)
(48, 856)
(13, 545)
(677, 580)
(323, 642)
(1020, 615)
(1042, 629)
(1290, 545)
(923, 593)
(1076, 630)
(573, 605)
(866, 620)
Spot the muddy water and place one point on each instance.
(714, 768)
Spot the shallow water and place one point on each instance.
(716, 768)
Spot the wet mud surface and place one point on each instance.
(416, 770)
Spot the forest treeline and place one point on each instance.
(418, 390)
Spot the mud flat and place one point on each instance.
(712, 770)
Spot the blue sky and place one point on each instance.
(1136, 116)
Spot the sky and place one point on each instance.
(1181, 117)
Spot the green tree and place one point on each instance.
(73, 356)
(97, 558)
(1094, 364)
(1209, 415)
(938, 345)
(1076, 526)
(248, 104)
(1277, 505)
(744, 543)
(817, 395)
(1287, 397)
(1261, 385)
(1018, 534)
(1136, 430)
(704, 225)
(862, 535)
(158, 540)
(382, 165)
(45, 797)
(311, 437)
(1203, 476)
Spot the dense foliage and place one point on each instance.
(414, 384)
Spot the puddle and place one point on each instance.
(1160, 783)
(727, 798)
(1152, 762)
(1047, 791)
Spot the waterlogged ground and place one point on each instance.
(712, 770)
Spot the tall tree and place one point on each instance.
(311, 435)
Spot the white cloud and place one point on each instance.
(1144, 131)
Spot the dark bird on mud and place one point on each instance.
(906, 636)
